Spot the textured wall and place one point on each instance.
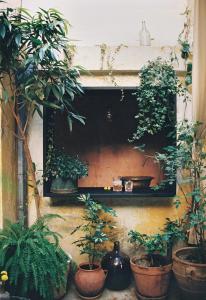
(8, 167)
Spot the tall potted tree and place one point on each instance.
(96, 229)
(188, 160)
(34, 72)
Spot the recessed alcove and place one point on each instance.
(103, 142)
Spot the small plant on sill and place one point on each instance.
(96, 229)
(61, 165)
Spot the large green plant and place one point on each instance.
(34, 71)
(159, 243)
(96, 229)
(156, 99)
(186, 164)
(33, 259)
(61, 165)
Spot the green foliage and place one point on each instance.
(156, 98)
(32, 50)
(151, 243)
(188, 159)
(96, 228)
(33, 258)
(159, 243)
(60, 164)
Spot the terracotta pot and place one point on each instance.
(151, 282)
(90, 283)
(191, 277)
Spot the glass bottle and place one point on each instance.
(144, 36)
(118, 265)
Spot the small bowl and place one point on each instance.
(139, 182)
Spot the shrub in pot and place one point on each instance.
(188, 158)
(63, 171)
(152, 270)
(36, 264)
(96, 229)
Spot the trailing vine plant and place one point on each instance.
(109, 57)
(156, 97)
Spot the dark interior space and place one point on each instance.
(103, 140)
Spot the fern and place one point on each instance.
(33, 258)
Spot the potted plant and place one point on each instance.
(186, 163)
(152, 270)
(63, 171)
(96, 229)
(36, 264)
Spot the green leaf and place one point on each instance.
(78, 117)
(2, 31)
(69, 121)
(18, 39)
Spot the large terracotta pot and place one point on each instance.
(191, 277)
(151, 282)
(90, 283)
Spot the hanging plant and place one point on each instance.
(155, 96)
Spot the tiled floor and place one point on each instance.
(128, 294)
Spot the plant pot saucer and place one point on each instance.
(88, 298)
(140, 297)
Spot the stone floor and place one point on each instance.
(128, 294)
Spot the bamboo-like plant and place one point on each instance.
(34, 71)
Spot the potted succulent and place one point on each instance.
(36, 264)
(96, 229)
(188, 159)
(152, 270)
(63, 171)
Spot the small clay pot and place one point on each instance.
(90, 283)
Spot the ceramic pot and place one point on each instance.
(151, 282)
(139, 182)
(191, 277)
(60, 186)
(118, 265)
(90, 283)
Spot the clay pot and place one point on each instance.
(90, 283)
(191, 277)
(151, 282)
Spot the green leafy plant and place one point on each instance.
(96, 229)
(34, 72)
(64, 166)
(33, 258)
(159, 244)
(156, 98)
(186, 163)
